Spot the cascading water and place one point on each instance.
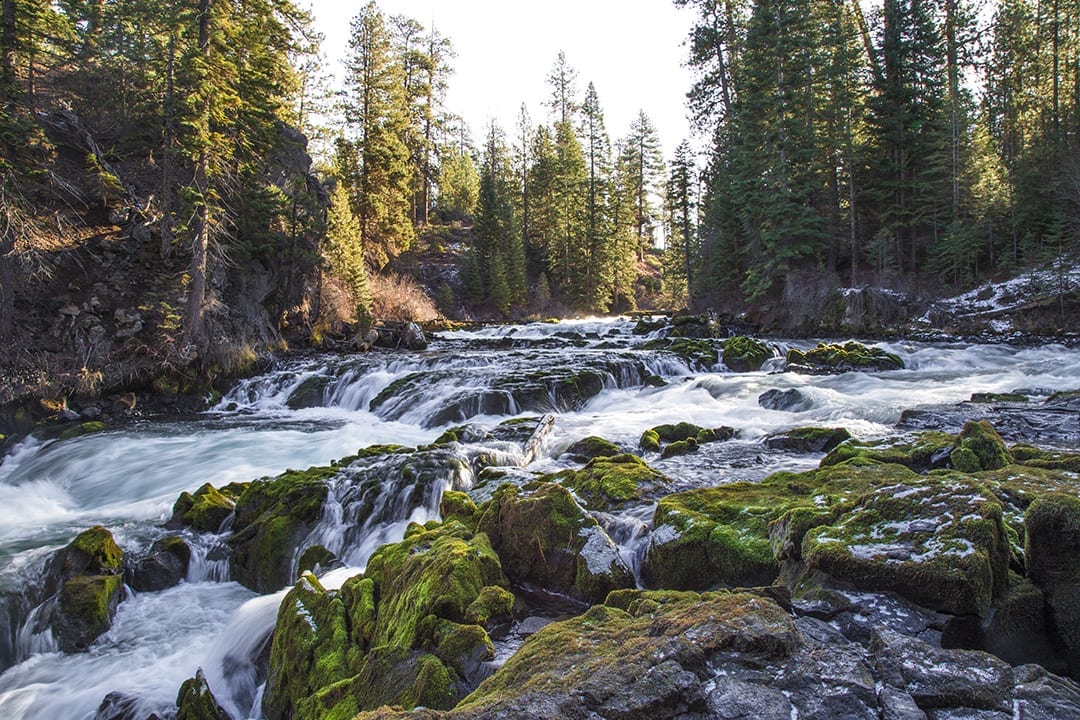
(595, 375)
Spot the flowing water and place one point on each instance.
(595, 377)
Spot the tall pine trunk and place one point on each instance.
(8, 92)
(200, 243)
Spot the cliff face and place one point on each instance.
(99, 293)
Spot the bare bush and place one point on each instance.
(399, 298)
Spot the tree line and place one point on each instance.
(918, 146)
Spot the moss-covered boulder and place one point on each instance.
(940, 542)
(610, 482)
(634, 657)
(195, 701)
(926, 451)
(1052, 547)
(808, 439)
(592, 447)
(1032, 456)
(164, 566)
(85, 608)
(86, 428)
(653, 439)
(309, 393)
(830, 358)
(545, 538)
(979, 447)
(411, 631)
(989, 397)
(92, 552)
(273, 515)
(720, 535)
(695, 352)
(204, 510)
(745, 354)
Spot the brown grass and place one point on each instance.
(399, 298)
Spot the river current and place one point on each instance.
(314, 410)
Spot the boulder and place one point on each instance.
(195, 701)
(830, 359)
(545, 538)
(163, 567)
(1052, 546)
(204, 510)
(792, 400)
(745, 354)
(654, 438)
(84, 610)
(591, 447)
(808, 439)
(609, 482)
(979, 447)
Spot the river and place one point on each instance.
(127, 478)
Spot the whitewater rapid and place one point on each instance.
(128, 477)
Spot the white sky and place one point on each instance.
(632, 51)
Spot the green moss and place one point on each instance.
(608, 482)
(315, 556)
(1063, 396)
(592, 447)
(85, 428)
(918, 454)
(745, 354)
(981, 448)
(494, 604)
(204, 510)
(679, 447)
(809, 439)
(459, 507)
(543, 537)
(309, 394)
(392, 390)
(842, 358)
(1053, 538)
(461, 647)
(85, 609)
(272, 517)
(940, 542)
(95, 552)
(694, 351)
(650, 441)
(1046, 459)
(195, 701)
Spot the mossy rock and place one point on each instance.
(310, 649)
(544, 537)
(828, 358)
(163, 567)
(745, 354)
(272, 516)
(1052, 546)
(925, 451)
(315, 557)
(940, 542)
(86, 428)
(610, 482)
(695, 352)
(204, 510)
(437, 572)
(195, 701)
(592, 447)
(679, 447)
(492, 606)
(1046, 459)
(653, 439)
(459, 507)
(633, 652)
(979, 447)
(462, 647)
(85, 608)
(393, 389)
(309, 393)
(92, 552)
(808, 439)
(720, 535)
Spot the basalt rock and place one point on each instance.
(745, 354)
(609, 482)
(195, 701)
(163, 567)
(808, 439)
(829, 359)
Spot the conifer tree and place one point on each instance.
(681, 231)
(595, 280)
(641, 155)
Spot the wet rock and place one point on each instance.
(979, 447)
(309, 394)
(735, 699)
(937, 678)
(195, 701)
(745, 354)
(808, 439)
(653, 439)
(592, 447)
(118, 706)
(926, 451)
(1038, 695)
(608, 482)
(793, 400)
(92, 552)
(413, 338)
(829, 359)
(545, 538)
(940, 542)
(1052, 545)
(85, 608)
(1039, 423)
(163, 567)
(697, 353)
(205, 510)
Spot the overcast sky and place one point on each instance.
(632, 51)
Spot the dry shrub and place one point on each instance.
(337, 306)
(399, 298)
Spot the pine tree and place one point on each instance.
(595, 280)
(681, 232)
(641, 154)
(377, 117)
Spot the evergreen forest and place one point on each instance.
(912, 145)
